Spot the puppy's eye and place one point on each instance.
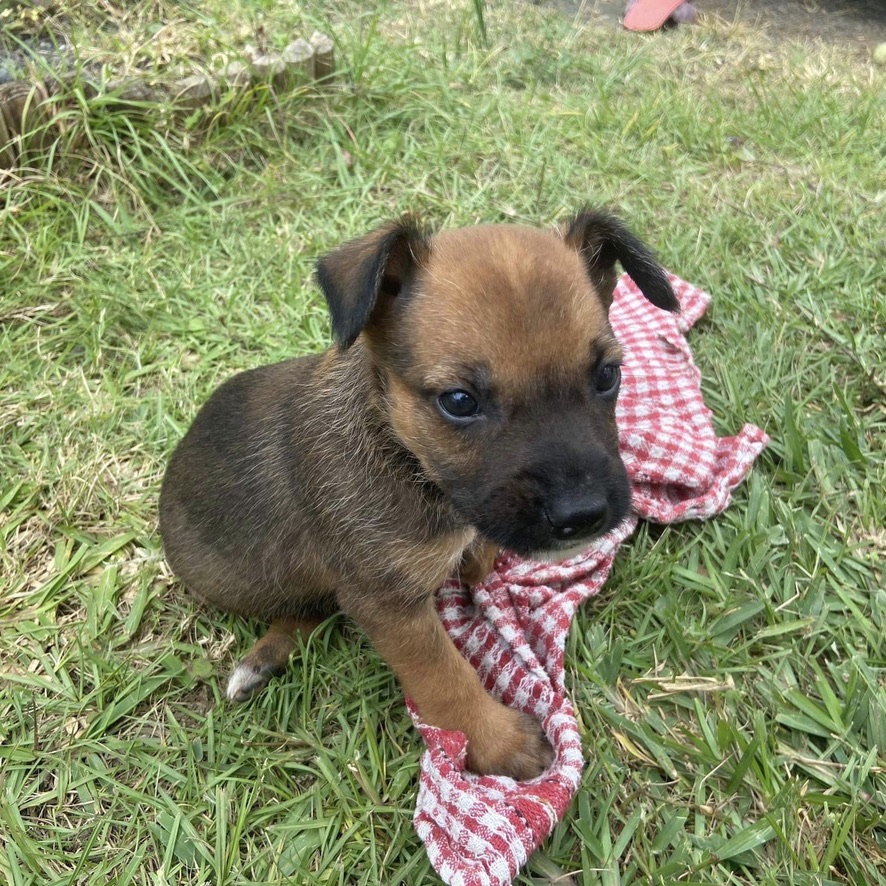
(458, 405)
(608, 378)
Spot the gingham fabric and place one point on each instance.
(480, 830)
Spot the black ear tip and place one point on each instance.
(603, 239)
(338, 320)
(652, 280)
(661, 294)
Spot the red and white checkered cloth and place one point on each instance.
(480, 830)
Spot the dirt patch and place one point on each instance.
(860, 24)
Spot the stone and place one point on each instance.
(267, 68)
(8, 152)
(194, 92)
(298, 61)
(324, 55)
(235, 75)
(25, 110)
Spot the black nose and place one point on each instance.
(577, 516)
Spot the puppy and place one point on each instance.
(468, 406)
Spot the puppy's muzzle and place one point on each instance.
(577, 516)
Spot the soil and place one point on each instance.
(856, 24)
(15, 56)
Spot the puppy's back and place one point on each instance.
(230, 488)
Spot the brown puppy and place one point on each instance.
(468, 406)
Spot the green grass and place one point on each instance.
(142, 266)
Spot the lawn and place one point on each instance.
(142, 264)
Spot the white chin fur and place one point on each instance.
(561, 554)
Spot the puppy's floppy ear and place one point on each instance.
(601, 240)
(361, 278)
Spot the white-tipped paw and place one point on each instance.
(245, 681)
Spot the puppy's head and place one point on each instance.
(499, 365)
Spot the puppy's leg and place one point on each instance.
(448, 693)
(477, 562)
(269, 657)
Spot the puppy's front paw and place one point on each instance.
(248, 679)
(477, 562)
(511, 743)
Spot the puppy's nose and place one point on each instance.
(577, 516)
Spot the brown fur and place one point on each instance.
(339, 481)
